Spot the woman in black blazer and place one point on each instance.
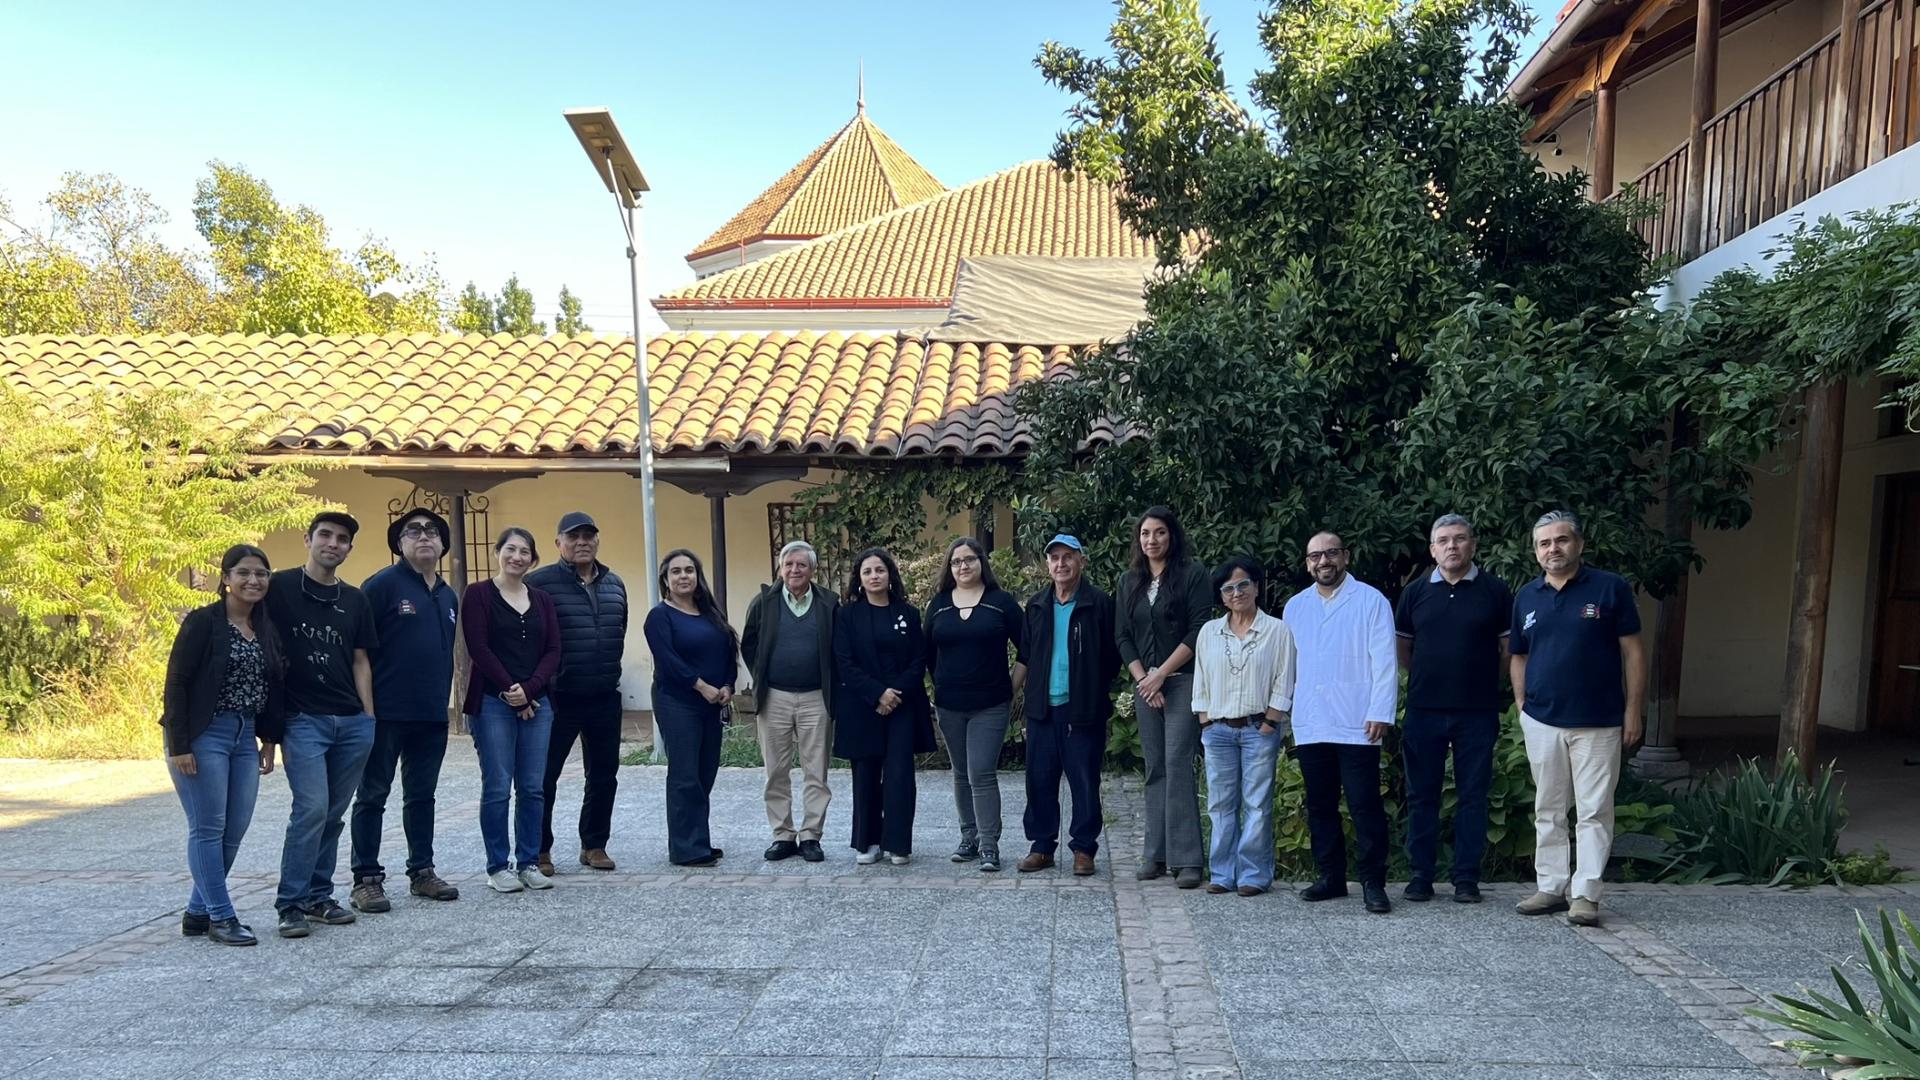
(222, 715)
(880, 712)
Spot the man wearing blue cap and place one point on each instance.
(1071, 662)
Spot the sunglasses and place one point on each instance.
(1235, 588)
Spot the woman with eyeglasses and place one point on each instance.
(222, 714)
(1163, 602)
(971, 623)
(1242, 694)
(695, 656)
(880, 712)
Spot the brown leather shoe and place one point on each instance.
(1082, 864)
(544, 861)
(1216, 889)
(1251, 890)
(596, 858)
(1035, 861)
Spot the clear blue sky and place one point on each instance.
(438, 128)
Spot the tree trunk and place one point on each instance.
(1812, 570)
(1659, 756)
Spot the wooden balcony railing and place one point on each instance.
(1776, 147)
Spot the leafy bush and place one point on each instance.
(1852, 1040)
(1758, 826)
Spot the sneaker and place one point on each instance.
(989, 860)
(425, 883)
(192, 925)
(968, 851)
(869, 856)
(1419, 890)
(330, 912)
(532, 878)
(810, 851)
(292, 924)
(1584, 913)
(370, 896)
(1541, 903)
(899, 860)
(503, 881)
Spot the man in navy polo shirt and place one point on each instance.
(1580, 679)
(1452, 626)
(415, 611)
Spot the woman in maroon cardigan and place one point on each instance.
(514, 642)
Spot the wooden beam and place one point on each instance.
(1841, 126)
(717, 530)
(1706, 80)
(1638, 30)
(1605, 112)
(457, 560)
(1812, 570)
(1565, 100)
(1603, 66)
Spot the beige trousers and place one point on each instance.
(796, 724)
(1573, 769)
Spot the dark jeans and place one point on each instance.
(594, 718)
(1424, 740)
(511, 751)
(1055, 748)
(883, 791)
(323, 757)
(1327, 768)
(218, 799)
(691, 736)
(417, 747)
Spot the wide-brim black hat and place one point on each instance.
(439, 524)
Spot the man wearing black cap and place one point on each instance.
(591, 602)
(326, 632)
(416, 615)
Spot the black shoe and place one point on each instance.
(781, 849)
(968, 851)
(1466, 892)
(330, 912)
(1323, 889)
(810, 851)
(293, 923)
(192, 925)
(1419, 890)
(1189, 877)
(230, 932)
(717, 853)
(711, 860)
(1375, 896)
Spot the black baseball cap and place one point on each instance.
(578, 519)
(335, 517)
(439, 525)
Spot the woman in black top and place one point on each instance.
(222, 694)
(970, 624)
(1163, 602)
(880, 705)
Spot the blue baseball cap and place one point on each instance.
(1070, 541)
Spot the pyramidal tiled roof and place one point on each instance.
(909, 257)
(856, 175)
(866, 395)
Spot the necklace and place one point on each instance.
(1236, 666)
(306, 590)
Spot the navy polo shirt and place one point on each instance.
(1456, 631)
(1571, 639)
(413, 666)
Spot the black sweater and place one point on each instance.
(968, 656)
(196, 669)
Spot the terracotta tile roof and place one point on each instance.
(909, 257)
(868, 395)
(855, 176)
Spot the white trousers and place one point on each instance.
(1573, 769)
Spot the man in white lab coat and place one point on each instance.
(1346, 689)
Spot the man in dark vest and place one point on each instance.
(788, 646)
(591, 603)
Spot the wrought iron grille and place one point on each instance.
(479, 536)
(786, 522)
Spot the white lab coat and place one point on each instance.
(1347, 672)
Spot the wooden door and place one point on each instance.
(1894, 703)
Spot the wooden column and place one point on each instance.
(717, 524)
(1659, 753)
(1604, 127)
(457, 562)
(1706, 80)
(1844, 117)
(1812, 569)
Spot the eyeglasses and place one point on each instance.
(415, 532)
(1325, 556)
(1235, 588)
(249, 574)
(966, 560)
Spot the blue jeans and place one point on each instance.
(1424, 739)
(218, 799)
(513, 761)
(325, 756)
(1240, 763)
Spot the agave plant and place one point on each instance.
(1760, 825)
(1850, 1040)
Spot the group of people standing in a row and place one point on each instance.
(302, 660)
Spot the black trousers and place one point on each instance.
(1328, 768)
(594, 719)
(1054, 748)
(418, 747)
(883, 793)
(691, 736)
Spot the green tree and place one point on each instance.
(1323, 269)
(279, 272)
(568, 322)
(513, 311)
(473, 313)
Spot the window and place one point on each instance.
(479, 538)
(1893, 421)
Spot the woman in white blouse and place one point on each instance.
(1242, 695)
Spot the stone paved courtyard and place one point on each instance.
(834, 970)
